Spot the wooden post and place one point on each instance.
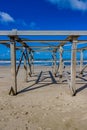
(61, 62)
(73, 67)
(81, 60)
(54, 63)
(25, 67)
(13, 89)
(32, 62)
(28, 59)
(57, 66)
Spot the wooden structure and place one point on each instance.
(27, 53)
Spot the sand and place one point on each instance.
(43, 106)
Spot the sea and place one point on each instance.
(41, 62)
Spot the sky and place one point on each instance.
(43, 15)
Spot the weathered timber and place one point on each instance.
(29, 62)
(61, 62)
(83, 69)
(32, 61)
(13, 67)
(73, 67)
(21, 58)
(43, 41)
(43, 33)
(69, 38)
(81, 60)
(54, 63)
(25, 66)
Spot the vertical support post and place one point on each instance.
(30, 59)
(81, 60)
(32, 62)
(52, 62)
(61, 61)
(55, 63)
(13, 89)
(25, 66)
(73, 67)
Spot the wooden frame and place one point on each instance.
(28, 52)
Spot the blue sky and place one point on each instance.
(42, 15)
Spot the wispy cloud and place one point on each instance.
(5, 17)
(70, 4)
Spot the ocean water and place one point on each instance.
(40, 63)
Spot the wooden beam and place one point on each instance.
(32, 61)
(6, 44)
(83, 69)
(21, 58)
(81, 60)
(22, 42)
(73, 67)
(54, 63)
(41, 32)
(43, 41)
(13, 90)
(69, 38)
(61, 62)
(25, 66)
(82, 48)
(29, 61)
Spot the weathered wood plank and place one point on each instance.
(21, 58)
(41, 32)
(29, 62)
(25, 67)
(81, 60)
(13, 67)
(73, 67)
(61, 62)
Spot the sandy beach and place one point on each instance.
(42, 105)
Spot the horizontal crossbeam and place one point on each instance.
(43, 33)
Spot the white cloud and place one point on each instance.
(5, 17)
(70, 4)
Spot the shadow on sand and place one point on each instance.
(37, 82)
(81, 88)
